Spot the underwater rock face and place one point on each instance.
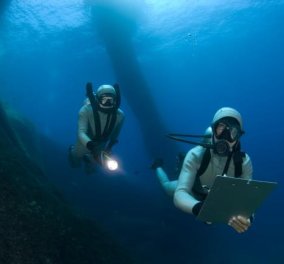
(36, 224)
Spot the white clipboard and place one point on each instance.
(231, 196)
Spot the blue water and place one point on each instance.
(195, 56)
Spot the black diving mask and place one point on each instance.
(227, 129)
(106, 101)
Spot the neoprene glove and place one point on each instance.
(91, 145)
(196, 208)
(156, 164)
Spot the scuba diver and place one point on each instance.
(99, 124)
(218, 154)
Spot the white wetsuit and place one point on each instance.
(183, 196)
(87, 130)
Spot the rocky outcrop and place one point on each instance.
(36, 224)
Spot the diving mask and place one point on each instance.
(227, 129)
(106, 101)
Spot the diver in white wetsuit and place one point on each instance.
(99, 124)
(221, 155)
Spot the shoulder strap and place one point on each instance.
(97, 120)
(97, 124)
(238, 157)
(227, 164)
(110, 123)
(199, 192)
(238, 162)
(118, 96)
(204, 163)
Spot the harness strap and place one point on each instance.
(110, 123)
(118, 96)
(238, 161)
(198, 190)
(97, 123)
(91, 96)
(204, 163)
(227, 164)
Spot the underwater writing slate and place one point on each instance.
(231, 196)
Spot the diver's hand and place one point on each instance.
(196, 208)
(239, 223)
(92, 145)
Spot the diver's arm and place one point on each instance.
(83, 126)
(182, 197)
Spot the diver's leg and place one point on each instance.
(89, 164)
(73, 159)
(167, 185)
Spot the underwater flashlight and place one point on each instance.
(110, 163)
